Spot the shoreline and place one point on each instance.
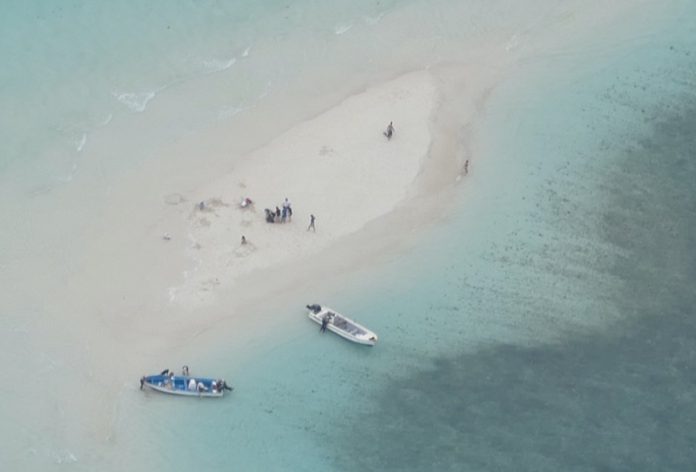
(204, 243)
(146, 328)
(110, 319)
(337, 166)
(131, 327)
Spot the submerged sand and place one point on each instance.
(135, 302)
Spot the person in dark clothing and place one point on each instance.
(390, 130)
(314, 308)
(311, 223)
(324, 324)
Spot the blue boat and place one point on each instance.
(185, 385)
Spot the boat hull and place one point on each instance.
(350, 330)
(179, 385)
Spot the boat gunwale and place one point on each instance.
(370, 339)
(153, 382)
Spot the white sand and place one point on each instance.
(132, 302)
(338, 166)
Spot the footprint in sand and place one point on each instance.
(216, 203)
(245, 250)
(174, 199)
(246, 220)
(210, 283)
(326, 151)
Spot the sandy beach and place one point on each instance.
(125, 223)
(180, 281)
(338, 166)
(371, 196)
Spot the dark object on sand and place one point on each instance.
(390, 130)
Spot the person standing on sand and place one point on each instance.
(244, 241)
(287, 211)
(311, 223)
(390, 130)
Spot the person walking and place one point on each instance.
(311, 223)
(390, 130)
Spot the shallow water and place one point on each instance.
(544, 326)
(586, 302)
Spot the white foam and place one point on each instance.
(218, 65)
(263, 94)
(512, 43)
(172, 293)
(246, 51)
(80, 143)
(71, 175)
(65, 457)
(21, 330)
(229, 112)
(135, 101)
(373, 20)
(340, 29)
(107, 120)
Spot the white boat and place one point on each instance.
(341, 325)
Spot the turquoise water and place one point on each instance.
(596, 227)
(546, 325)
(546, 328)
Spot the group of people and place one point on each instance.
(170, 373)
(193, 385)
(217, 386)
(279, 216)
(285, 214)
